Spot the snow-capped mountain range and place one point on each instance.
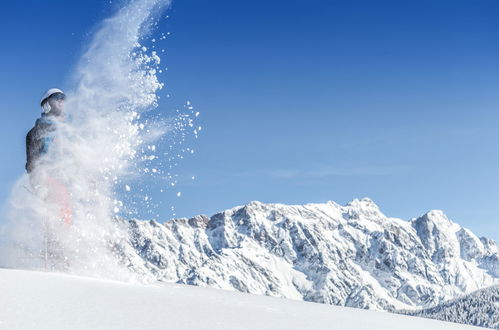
(350, 255)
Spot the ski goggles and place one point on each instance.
(58, 96)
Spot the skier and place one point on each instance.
(39, 140)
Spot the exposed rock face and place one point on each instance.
(350, 255)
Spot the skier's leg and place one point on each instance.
(60, 195)
(59, 199)
(40, 188)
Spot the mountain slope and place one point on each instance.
(350, 255)
(34, 300)
(480, 308)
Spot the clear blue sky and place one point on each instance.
(300, 101)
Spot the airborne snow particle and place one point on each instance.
(178, 194)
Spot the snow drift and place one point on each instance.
(32, 300)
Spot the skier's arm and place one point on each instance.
(37, 144)
(29, 152)
(34, 147)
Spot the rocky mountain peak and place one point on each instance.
(350, 255)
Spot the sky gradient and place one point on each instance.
(300, 101)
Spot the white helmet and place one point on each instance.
(45, 97)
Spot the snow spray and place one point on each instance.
(102, 142)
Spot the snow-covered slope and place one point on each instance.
(479, 308)
(33, 300)
(350, 255)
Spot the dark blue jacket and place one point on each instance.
(38, 140)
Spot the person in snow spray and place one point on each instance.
(41, 145)
(79, 165)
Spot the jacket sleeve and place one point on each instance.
(30, 150)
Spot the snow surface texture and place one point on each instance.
(99, 145)
(349, 255)
(479, 308)
(32, 300)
